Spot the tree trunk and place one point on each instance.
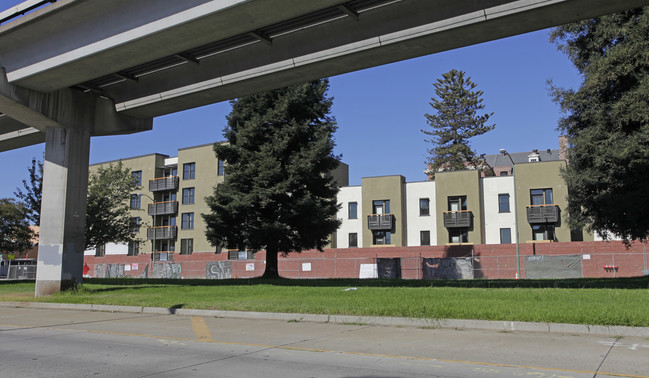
(271, 263)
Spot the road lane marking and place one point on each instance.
(280, 347)
(201, 330)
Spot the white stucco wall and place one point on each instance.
(414, 222)
(346, 195)
(111, 249)
(493, 220)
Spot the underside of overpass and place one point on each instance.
(74, 69)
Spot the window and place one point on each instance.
(458, 235)
(133, 248)
(503, 203)
(168, 196)
(241, 255)
(381, 237)
(352, 210)
(135, 224)
(137, 177)
(504, 173)
(424, 206)
(353, 239)
(457, 203)
(186, 246)
(100, 251)
(187, 221)
(505, 235)
(424, 237)
(541, 197)
(135, 201)
(189, 171)
(381, 207)
(543, 232)
(219, 170)
(188, 196)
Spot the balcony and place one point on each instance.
(380, 222)
(163, 208)
(542, 214)
(161, 233)
(455, 219)
(164, 183)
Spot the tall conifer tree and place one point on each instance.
(454, 122)
(277, 194)
(607, 122)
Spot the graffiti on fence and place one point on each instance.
(166, 270)
(219, 270)
(450, 268)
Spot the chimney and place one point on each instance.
(535, 151)
(564, 145)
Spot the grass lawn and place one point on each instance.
(589, 301)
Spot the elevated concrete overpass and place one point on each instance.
(74, 69)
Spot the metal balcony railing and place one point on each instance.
(542, 214)
(163, 208)
(380, 222)
(164, 183)
(454, 219)
(161, 233)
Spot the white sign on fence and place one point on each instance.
(368, 271)
(250, 267)
(306, 267)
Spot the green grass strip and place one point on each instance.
(591, 301)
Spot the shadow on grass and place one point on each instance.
(581, 283)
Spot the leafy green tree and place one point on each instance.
(607, 122)
(277, 194)
(108, 217)
(15, 233)
(33, 191)
(454, 122)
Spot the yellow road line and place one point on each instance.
(200, 327)
(201, 330)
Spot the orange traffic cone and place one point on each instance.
(516, 275)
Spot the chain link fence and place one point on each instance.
(314, 265)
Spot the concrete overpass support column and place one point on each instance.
(63, 210)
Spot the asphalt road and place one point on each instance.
(70, 343)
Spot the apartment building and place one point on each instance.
(170, 199)
(526, 199)
(527, 195)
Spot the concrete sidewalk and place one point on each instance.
(460, 324)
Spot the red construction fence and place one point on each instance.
(491, 261)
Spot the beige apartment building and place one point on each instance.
(170, 199)
(526, 200)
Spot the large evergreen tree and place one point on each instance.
(15, 233)
(277, 194)
(454, 122)
(108, 216)
(607, 122)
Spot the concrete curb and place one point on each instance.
(490, 325)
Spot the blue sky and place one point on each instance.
(380, 111)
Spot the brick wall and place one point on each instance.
(491, 261)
